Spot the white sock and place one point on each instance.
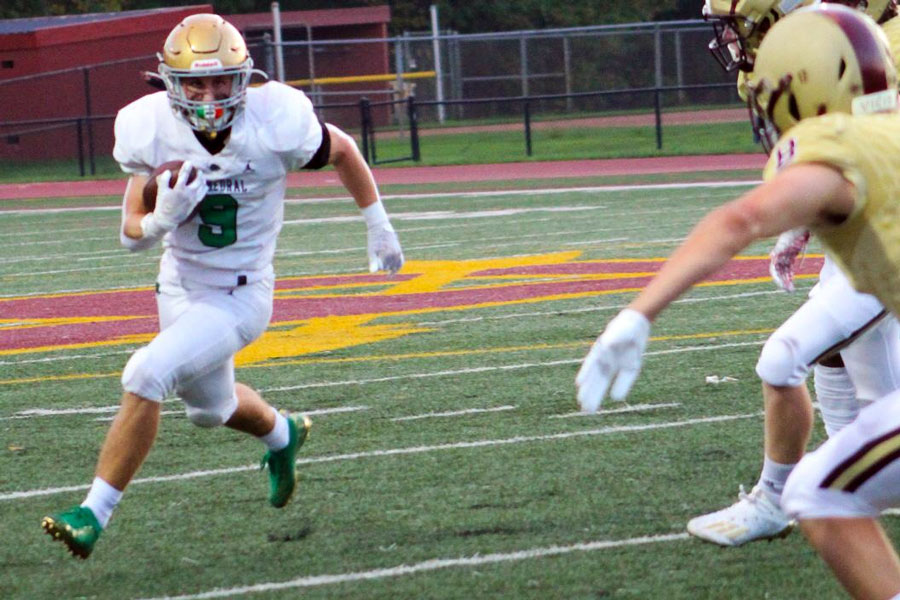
(280, 435)
(836, 396)
(102, 500)
(772, 479)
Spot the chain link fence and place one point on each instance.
(561, 71)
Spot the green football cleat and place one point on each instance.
(77, 528)
(282, 463)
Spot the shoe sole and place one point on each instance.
(64, 534)
(768, 538)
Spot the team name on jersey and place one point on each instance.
(232, 186)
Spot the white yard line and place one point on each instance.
(429, 565)
(94, 410)
(528, 192)
(588, 309)
(617, 411)
(455, 413)
(19, 495)
(312, 413)
(45, 412)
(552, 363)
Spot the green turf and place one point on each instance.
(471, 148)
(477, 490)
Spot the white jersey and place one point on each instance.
(231, 237)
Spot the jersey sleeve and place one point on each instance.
(290, 125)
(134, 137)
(821, 140)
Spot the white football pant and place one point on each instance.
(201, 328)
(833, 314)
(855, 473)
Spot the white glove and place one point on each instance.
(617, 353)
(174, 204)
(384, 251)
(382, 245)
(789, 245)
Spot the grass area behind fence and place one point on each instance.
(483, 147)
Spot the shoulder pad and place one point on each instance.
(134, 131)
(284, 115)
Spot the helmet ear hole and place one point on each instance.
(842, 68)
(793, 108)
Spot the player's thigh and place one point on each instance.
(202, 331)
(856, 473)
(873, 360)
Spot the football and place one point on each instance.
(150, 190)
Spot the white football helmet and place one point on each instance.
(205, 45)
(843, 65)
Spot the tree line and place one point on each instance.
(463, 16)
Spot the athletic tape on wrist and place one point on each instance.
(376, 216)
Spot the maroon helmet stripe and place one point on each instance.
(867, 49)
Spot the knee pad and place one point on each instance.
(778, 364)
(139, 377)
(212, 416)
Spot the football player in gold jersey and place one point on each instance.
(842, 335)
(827, 108)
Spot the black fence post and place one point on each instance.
(657, 109)
(80, 139)
(526, 109)
(88, 121)
(365, 118)
(413, 115)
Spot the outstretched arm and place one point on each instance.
(383, 246)
(801, 195)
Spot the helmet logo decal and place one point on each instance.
(207, 63)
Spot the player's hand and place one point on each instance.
(175, 204)
(789, 245)
(615, 358)
(384, 249)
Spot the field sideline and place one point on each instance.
(446, 458)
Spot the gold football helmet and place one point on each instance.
(880, 10)
(843, 65)
(740, 25)
(205, 45)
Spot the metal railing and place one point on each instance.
(368, 127)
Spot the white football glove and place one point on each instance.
(174, 204)
(384, 250)
(382, 245)
(789, 245)
(617, 354)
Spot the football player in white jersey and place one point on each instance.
(846, 337)
(218, 229)
(829, 107)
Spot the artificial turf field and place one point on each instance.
(446, 459)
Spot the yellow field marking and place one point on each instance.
(31, 323)
(141, 338)
(410, 355)
(288, 339)
(363, 78)
(74, 294)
